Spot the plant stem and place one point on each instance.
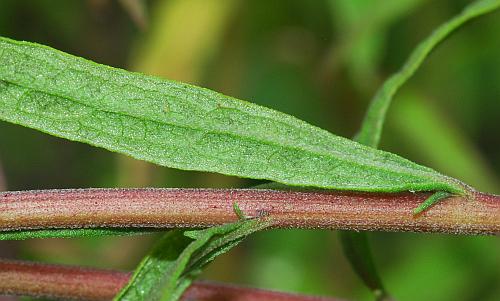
(76, 283)
(191, 208)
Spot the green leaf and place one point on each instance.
(179, 257)
(433, 199)
(356, 248)
(71, 233)
(371, 129)
(187, 127)
(355, 245)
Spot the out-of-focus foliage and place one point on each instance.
(289, 55)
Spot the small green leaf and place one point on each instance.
(237, 211)
(433, 199)
(187, 127)
(71, 233)
(179, 257)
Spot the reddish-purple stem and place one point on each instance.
(76, 283)
(189, 208)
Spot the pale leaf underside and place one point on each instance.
(187, 127)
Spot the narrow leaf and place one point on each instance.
(71, 233)
(179, 257)
(187, 127)
(433, 199)
(371, 129)
(356, 246)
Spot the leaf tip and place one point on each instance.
(430, 201)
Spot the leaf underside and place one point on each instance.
(187, 127)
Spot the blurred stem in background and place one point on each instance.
(177, 48)
(137, 11)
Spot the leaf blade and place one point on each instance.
(71, 233)
(179, 256)
(187, 127)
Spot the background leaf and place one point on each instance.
(371, 128)
(356, 245)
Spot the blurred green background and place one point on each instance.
(318, 60)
